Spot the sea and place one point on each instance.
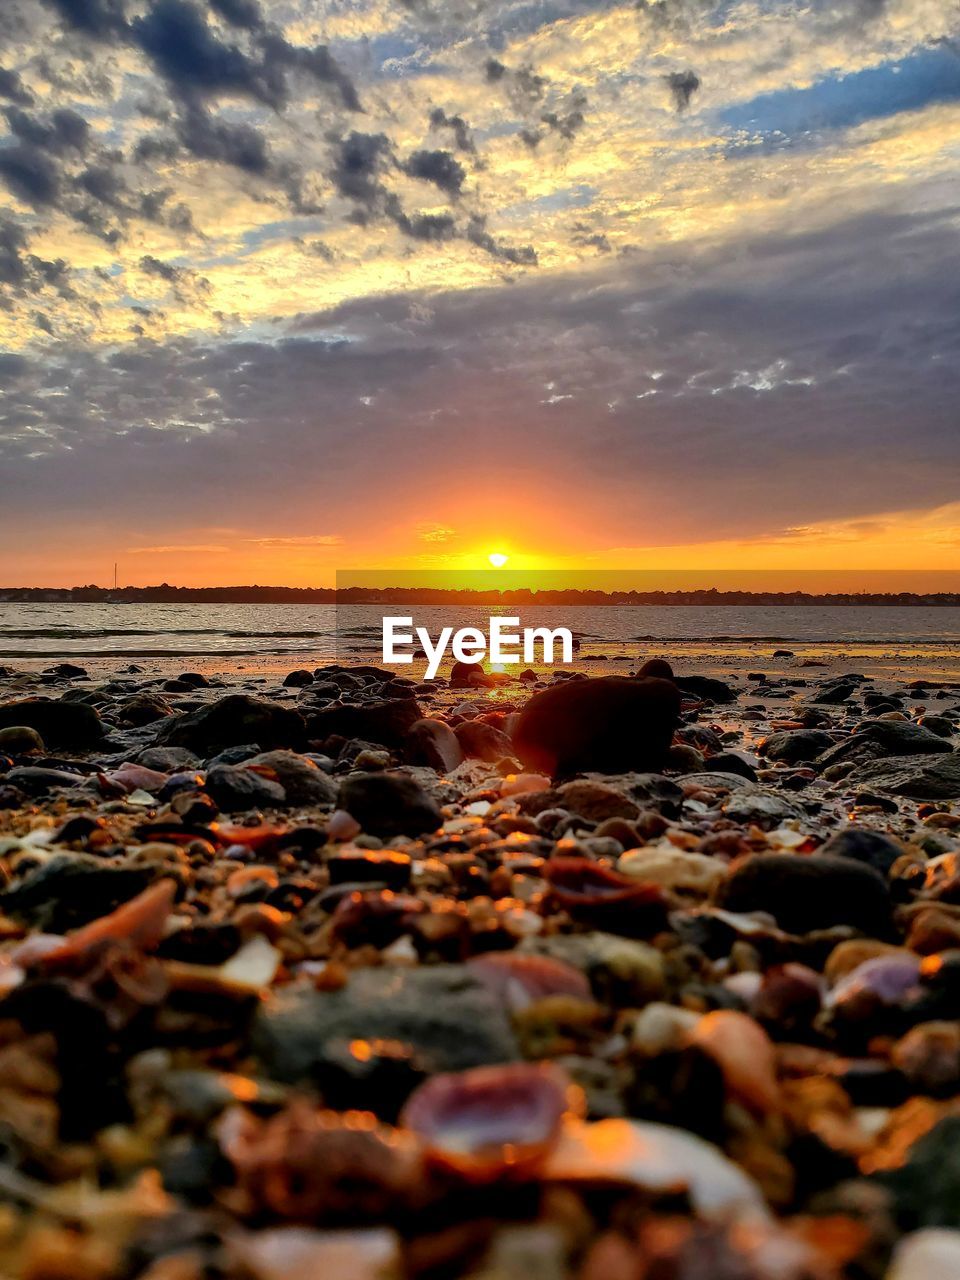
(245, 635)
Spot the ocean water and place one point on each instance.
(324, 633)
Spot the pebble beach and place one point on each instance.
(581, 975)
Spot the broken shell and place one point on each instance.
(491, 1121)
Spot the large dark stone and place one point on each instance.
(918, 777)
(59, 723)
(795, 747)
(614, 724)
(442, 1011)
(235, 788)
(389, 804)
(434, 744)
(301, 778)
(71, 889)
(900, 738)
(808, 893)
(383, 720)
(231, 721)
(481, 741)
(925, 1182)
(706, 687)
(863, 845)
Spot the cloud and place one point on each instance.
(682, 85)
(438, 167)
(182, 548)
(435, 533)
(458, 127)
(13, 89)
(307, 540)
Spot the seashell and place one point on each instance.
(303, 1253)
(246, 973)
(492, 1121)
(594, 893)
(139, 922)
(744, 1053)
(657, 1157)
(520, 979)
(132, 777)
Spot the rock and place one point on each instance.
(37, 782)
(389, 804)
(594, 801)
(939, 725)
(194, 680)
(302, 780)
(67, 670)
(687, 876)
(234, 788)
(804, 894)
(167, 759)
(622, 971)
(59, 723)
(929, 1056)
(434, 744)
(731, 762)
(714, 780)
(233, 720)
(71, 889)
(707, 688)
(448, 1016)
(863, 845)
(926, 1183)
(931, 1254)
(900, 738)
(145, 708)
(919, 777)
(466, 675)
(834, 694)
(614, 724)
(386, 721)
(795, 747)
(784, 653)
(298, 679)
(481, 741)
(20, 740)
(759, 809)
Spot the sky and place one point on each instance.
(294, 286)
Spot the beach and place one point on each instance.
(322, 969)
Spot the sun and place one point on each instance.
(497, 559)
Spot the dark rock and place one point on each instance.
(298, 679)
(481, 741)
(731, 762)
(784, 653)
(194, 679)
(68, 670)
(467, 675)
(940, 725)
(834, 694)
(926, 1180)
(71, 889)
(145, 708)
(922, 777)
(389, 804)
(804, 894)
(20, 740)
(301, 778)
(614, 724)
(707, 688)
(795, 747)
(235, 788)
(434, 744)
(371, 866)
(167, 759)
(235, 755)
(900, 738)
(445, 1014)
(760, 809)
(34, 781)
(863, 845)
(59, 723)
(237, 718)
(384, 720)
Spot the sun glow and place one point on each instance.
(497, 559)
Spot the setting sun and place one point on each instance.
(497, 559)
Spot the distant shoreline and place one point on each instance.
(403, 596)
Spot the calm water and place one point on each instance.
(325, 632)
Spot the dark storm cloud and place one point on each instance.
(64, 130)
(457, 125)
(522, 84)
(13, 89)
(438, 167)
(682, 85)
(239, 13)
(165, 270)
(100, 19)
(30, 175)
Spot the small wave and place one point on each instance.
(109, 633)
(832, 642)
